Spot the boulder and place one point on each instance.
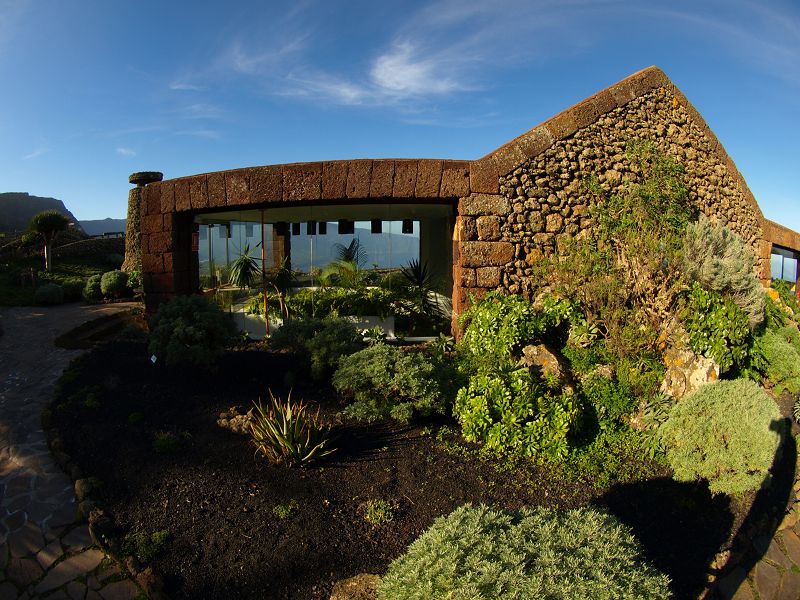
(360, 587)
(546, 363)
(687, 371)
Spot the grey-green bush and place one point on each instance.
(114, 284)
(385, 381)
(190, 330)
(92, 291)
(483, 554)
(727, 432)
(779, 359)
(717, 259)
(49, 293)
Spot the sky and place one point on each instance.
(93, 90)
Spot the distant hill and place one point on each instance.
(101, 226)
(17, 209)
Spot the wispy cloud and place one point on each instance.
(208, 134)
(200, 111)
(184, 86)
(36, 153)
(122, 151)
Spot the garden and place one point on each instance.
(540, 455)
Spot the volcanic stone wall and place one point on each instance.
(545, 199)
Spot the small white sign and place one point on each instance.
(153, 359)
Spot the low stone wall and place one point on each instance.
(93, 247)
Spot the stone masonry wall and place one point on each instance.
(544, 199)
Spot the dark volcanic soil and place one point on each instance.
(217, 499)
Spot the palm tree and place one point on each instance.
(48, 224)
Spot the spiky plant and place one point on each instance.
(286, 433)
(244, 270)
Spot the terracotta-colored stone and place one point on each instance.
(144, 242)
(382, 179)
(168, 266)
(358, 178)
(160, 243)
(486, 254)
(405, 178)
(488, 277)
(152, 223)
(484, 204)
(198, 192)
(237, 187)
(152, 263)
(792, 544)
(302, 181)
(266, 184)
(484, 177)
(334, 180)
(216, 189)
(167, 196)
(508, 157)
(182, 194)
(161, 283)
(467, 229)
(468, 278)
(488, 228)
(429, 178)
(455, 179)
(535, 141)
(151, 197)
(790, 586)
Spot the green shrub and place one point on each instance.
(145, 547)
(92, 292)
(73, 289)
(190, 330)
(167, 442)
(787, 296)
(717, 259)
(378, 512)
(284, 432)
(611, 399)
(49, 293)
(515, 413)
(339, 302)
(486, 554)
(114, 284)
(385, 381)
(134, 279)
(499, 326)
(717, 327)
(727, 432)
(778, 359)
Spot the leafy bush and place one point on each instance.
(145, 547)
(167, 442)
(49, 293)
(73, 289)
(717, 259)
(611, 399)
(787, 296)
(727, 432)
(320, 343)
(286, 433)
(378, 512)
(114, 284)
(717, 327)
(778, 359)
(499, 326)
(134, 279)
(190, 330)
(92, 291)
(338, 302)
(515, 413)
(386, 381)
(478, 552)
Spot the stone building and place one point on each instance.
(482, 224)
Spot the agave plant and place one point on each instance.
(287, 433)
(244, 270)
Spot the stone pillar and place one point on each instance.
(133, 226)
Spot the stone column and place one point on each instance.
(133, 227)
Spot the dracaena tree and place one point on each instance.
(48, 225)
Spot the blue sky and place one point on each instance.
(96, 89)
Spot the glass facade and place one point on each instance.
(784, 264)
